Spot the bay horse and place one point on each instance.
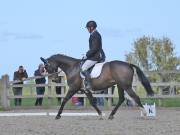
(113, 72)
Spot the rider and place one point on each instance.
(95, 53)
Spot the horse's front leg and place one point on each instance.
(91, 100)
(70, 93)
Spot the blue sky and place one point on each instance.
(30, 29)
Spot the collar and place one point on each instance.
(93, 31)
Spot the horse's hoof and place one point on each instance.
(57, 117)
(100, 118)
(145, 114)
(111, 117)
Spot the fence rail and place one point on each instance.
(8, 85)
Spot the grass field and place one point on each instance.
(140, 91)
(175, 102)
(163, 103)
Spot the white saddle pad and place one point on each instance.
(96, 71)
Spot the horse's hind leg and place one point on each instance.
(136, 98)
(121, 100)
(90, 97)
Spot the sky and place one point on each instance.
(30, 29)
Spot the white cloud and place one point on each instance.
(6, 36)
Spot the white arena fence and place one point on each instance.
(6, 88)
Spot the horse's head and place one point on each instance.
(50, 65)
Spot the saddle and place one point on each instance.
(95, 70)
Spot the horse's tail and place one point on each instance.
(143, 79)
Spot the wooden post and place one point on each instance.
(160, 102)
(85, 102)
(110, 98)
(63, 88)
(50, 102)
(5, 93)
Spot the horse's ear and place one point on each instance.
(44, 60)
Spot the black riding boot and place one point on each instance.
(87, 80)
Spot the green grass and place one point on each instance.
(168, 102)
(30, 102)
(140, 91)
(173, 102)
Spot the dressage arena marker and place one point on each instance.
(47, 114)
(150, 109)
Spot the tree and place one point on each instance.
(150, 54)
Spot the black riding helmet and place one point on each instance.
(91, 24)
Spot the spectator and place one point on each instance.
(81, 101)
(75, 101)
(99, 100)
(78, 101)
(40, 90)
(19, 75)
(58, 88)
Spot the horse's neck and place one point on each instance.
(68, 66)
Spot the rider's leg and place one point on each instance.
(84, 69)
(87, 79)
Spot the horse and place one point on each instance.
(113, 73)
